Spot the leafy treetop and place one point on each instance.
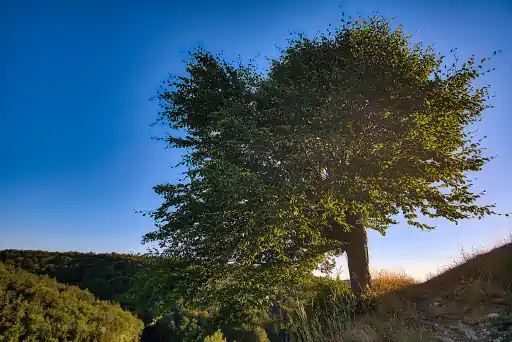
(355, 121)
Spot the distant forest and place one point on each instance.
(107, 276)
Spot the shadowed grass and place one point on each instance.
(340, 321)
(347, 318)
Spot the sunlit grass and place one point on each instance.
(384, 281)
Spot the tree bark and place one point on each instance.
(356, 247)
(357, 255)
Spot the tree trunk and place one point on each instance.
(357, 255)
(355, 244)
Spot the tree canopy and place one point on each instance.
(288, 167)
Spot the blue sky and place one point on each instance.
(76, 158)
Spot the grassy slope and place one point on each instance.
(470, 301)
(494, 266)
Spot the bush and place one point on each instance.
(317, 292)
(246, 334)
(260, 335)
(37, 308)
(198, 326)
(217, 337)
(180, 325)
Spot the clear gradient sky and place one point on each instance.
(76, 158)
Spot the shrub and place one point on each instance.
(180, 325)
(37, 308)
(260, 335)
(217, 337)
(317, 292)
(246, 334)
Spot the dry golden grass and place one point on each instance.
(477, 268)
(474, 253)
(384, 281)
(467, 290)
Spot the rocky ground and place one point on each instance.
(453, 321)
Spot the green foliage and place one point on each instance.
(37, 308)
(317, 292)
(193, 325)
(107, 276)
(260, 335)
(217, 337)
(88, 270)
(358, 121)
(180, 325)
(148, 300)
(254, 334)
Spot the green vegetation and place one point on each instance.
(288, 168)
(37, 308)
(178, 323)
(322, 310)
(217, 337)
(107, 276)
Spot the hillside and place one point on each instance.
(470, 302)
(110, 276)
(37, 308)
(107, 276)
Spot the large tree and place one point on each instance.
(289, 167)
